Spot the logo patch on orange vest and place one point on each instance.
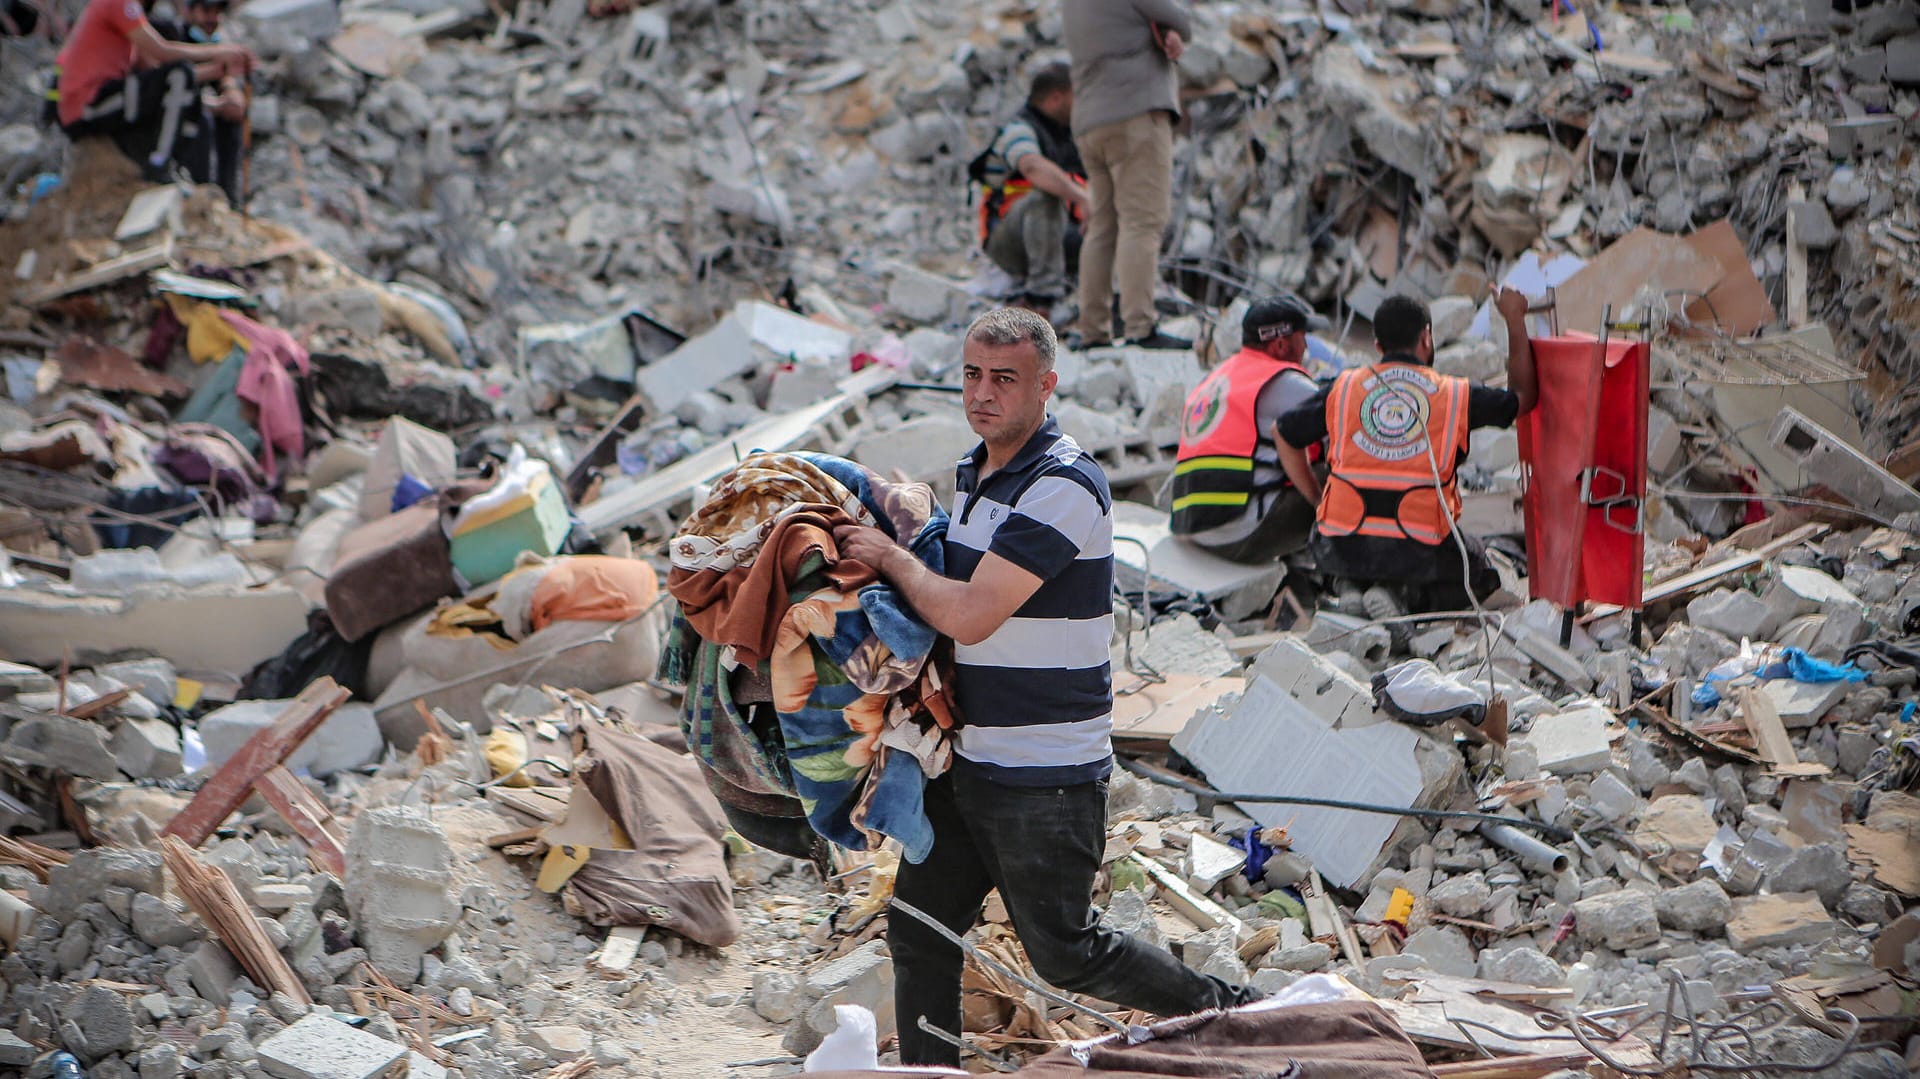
(1393, 415)
(1205, 410)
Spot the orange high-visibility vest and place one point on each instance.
(1219, 432)
(1390, 427)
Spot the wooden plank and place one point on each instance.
(547, 807)
(1192, 905)
(513, 838)
(106, 273)
(308, 816)
(231, 785)
(1324, 919)
(1763, 722)
(212, 895)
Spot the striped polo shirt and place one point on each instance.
(1037, 696)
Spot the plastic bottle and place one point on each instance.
(67, 1066)
(1580, 977)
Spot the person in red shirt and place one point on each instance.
(118, 77)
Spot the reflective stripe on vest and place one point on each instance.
(1219, 432)
(1391, 427)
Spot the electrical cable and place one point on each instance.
(1554, 830)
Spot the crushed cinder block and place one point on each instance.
(1570, 742)
(863, 976)
(322, 1047)
(212, 972)
(1618, 920)
(399, 888)
(1676, 822)
(92, 872)
(1773, 921)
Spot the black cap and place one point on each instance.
(1278, 316)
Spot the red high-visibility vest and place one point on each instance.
(1390, 428)
(1219, 432)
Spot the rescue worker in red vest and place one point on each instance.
(1231, 497)
(1032, 188)
(1396, 432)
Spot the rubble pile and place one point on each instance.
(333, 534)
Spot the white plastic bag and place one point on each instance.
(854, 1045)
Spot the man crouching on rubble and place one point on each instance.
(1024, 808)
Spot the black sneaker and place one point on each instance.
(1158, 340)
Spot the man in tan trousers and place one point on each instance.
(1125, 101)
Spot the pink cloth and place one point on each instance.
(267, 383)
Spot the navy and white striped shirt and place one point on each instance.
(1037, 695)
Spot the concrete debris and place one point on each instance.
(322, 1047)
(399, 888)
(563, 233)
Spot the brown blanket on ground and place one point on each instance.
(676, 875)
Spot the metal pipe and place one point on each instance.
(1533, 853)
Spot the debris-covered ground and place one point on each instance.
(333, 594)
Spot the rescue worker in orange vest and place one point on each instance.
(1231, 497)
(1396, 432)
(1032, 190)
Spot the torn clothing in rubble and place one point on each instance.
(859, 716)
(572, 588)
(676, 874)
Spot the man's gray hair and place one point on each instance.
(1016, 326)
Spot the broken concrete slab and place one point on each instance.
(322, 1047)
(233, 628)
(1306, 728)
(1775, 921)
(146, 748)
(1801, 704)
(750, 336)
(77, 747)
(1237, 590)
(1571, 742)
(349, 738)
(561, 1043)
(1823, 457)
(1699, 907)
(1734, 612)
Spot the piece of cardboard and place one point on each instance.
(1641, 259)
(1738, 301)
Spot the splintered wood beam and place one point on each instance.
(266, 750)
(308, 816)
(212, 895)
